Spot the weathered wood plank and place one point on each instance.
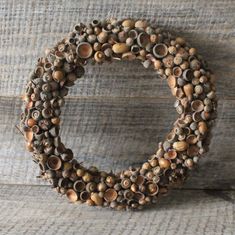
(27, 27)
(116, 133)
(38, 210)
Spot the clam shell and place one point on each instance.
(177, 71)
(128, 56)
(84, 50)
(202, 127)
(110, 195)
(188, 90)
(193, 150)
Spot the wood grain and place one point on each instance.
(192, 212)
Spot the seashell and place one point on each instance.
(120, 48)
(39, 71)
(152, 189)
(133, 34)
(180, 146)
(179, 93)
(202, 127)
(95, 23)
(160, 50)
(143, 39)
(79, 186)
(84, 196)
(178, 59)
(142, 24)
(97, 199)
(54, 162)
(188, 75)
(196, 116)
(188, 90)
(211, 95)
(128, 56)
(84, 50)
(122, 36)
(110, 195)
(197, 105)
(192, 139)
(72, 195)
(177, 71)
(135, 49)
(128, 23)
(47, 66)
(99, 56)
(171, 80)
(189, 163)
(171, 154)
(193, 150)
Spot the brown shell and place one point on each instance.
(72, 195)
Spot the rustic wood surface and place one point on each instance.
(115, 116)
(24, 210)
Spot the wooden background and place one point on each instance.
(115, 116)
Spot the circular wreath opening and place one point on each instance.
(188, 77)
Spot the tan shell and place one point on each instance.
(202, 127)
(99, 56)
(141, 24)
(110, 195)
(72, 195)
(84, 50)
(164, 163)
(119, 48)
(180, 146)
(128, 23)
(160, 50)
(97, 199)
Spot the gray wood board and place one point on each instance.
(38, 210)
(27, 27)
(120, 111)
(116, 133)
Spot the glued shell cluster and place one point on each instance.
(190, 81)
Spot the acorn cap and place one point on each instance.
(84, 50)
(110, 195)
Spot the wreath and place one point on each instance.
(188, 77)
